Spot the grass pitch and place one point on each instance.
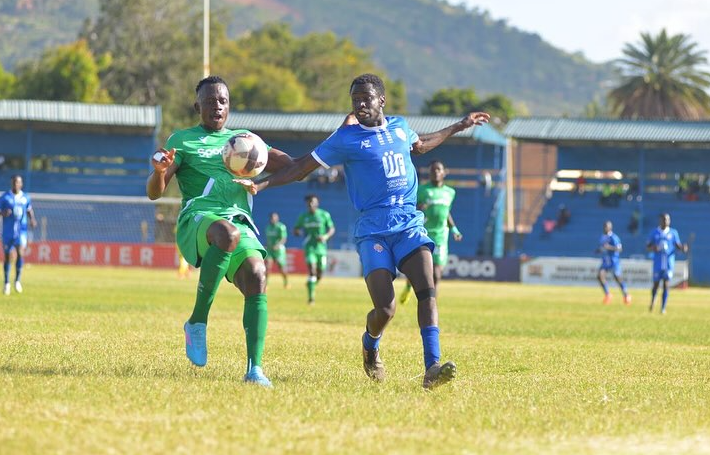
(92, 361)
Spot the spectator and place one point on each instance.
(579, 185)
(634, 221)
(563, 216)
(633, 189)
(605, 198)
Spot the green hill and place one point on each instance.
(426, 43)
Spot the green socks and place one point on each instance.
(311, 282)
(213, 268)
(255, 319)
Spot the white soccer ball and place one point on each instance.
(245, 155)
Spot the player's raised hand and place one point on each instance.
(475, 118)
(248, 185)
(162, 159)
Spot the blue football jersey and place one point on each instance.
(609, 257)
(665, 241)
(379, 173)
(16, 223)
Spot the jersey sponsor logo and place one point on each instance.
(400, 133)
(209, 153)
(365, 144)
(393, 164)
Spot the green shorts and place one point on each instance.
(315, 255)
(192, 240)
(441, 254)
(278, 255)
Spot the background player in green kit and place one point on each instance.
(215, 230)
(276, 235)
(318, 227)
(435, 199)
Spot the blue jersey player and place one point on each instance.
(610, 247)
(375, 152)
(16, 210)
(663, 242)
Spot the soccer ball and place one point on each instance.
(245, 155)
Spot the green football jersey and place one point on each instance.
(275, 233)
(205, 183)
(314, 225)
(438, 202)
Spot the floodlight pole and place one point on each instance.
(206, 39)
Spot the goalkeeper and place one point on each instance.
(215, 229)
(435, 199)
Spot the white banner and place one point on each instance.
(343, 263)
(637, 273)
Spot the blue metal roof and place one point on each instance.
(80, 113)
(610, 130)
(327, 123)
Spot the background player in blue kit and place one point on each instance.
(663, 242)
(382, 183)
(610, 247)
(16, 209)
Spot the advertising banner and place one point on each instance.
(482, 268)
(637, 273)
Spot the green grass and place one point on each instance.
(92, 361)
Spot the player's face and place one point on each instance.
(17, 185)
(213, 106)
(312, 204)
(437, 173)
(607, 228)
(665, 221)
(274, 218)
(367, 105)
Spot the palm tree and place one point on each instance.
(661, 78)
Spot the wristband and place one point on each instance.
(455, 230)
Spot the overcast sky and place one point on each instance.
(601, 28)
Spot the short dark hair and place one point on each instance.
(369, 78)
(210, 80)
(15, 177)
(433, 162)
(310, 197)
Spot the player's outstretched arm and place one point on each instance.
(293, 172)
(428, 141)
(164, 168)
(277, 161)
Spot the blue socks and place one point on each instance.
(6, 266)
(665, 299)
(18, 267)
(430, 340)
(369, 342)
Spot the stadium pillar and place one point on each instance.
(206, 39)
(28, 160)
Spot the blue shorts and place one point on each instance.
(386, 251)
(615, 268)
(19, 241)
(659, 274)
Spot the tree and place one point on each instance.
(460, 101)
(156, 53)
(7, 84)
(661, 78)
(66, 73)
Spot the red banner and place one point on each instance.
(125, 254)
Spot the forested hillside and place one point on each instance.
(426, 43)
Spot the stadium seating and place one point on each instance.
(580, 236)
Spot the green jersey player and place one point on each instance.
(215, 231)
(276, 236)
(318, 227)
(435, 199)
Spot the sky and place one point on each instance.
(599, 29)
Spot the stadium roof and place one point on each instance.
(80, 113)
(327, 123)
(566, 129)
